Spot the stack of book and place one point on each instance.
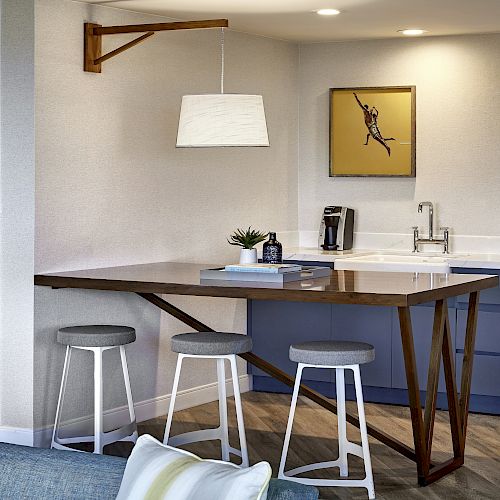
(263, 268)
(270, 273)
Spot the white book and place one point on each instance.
(263, 268)
(219, 276)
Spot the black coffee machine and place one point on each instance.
(337, 228)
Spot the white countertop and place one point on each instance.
(458, 260)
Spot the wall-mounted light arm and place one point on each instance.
(93, 34)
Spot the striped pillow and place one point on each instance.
(156, 471)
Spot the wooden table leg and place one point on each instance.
(429, 472)
(451, 391)
(423, 426)
(413, 390)
(470, 342)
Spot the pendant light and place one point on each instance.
(218, 120)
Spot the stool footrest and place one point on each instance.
(316, 466)
(195, 436)
(127, 432)
(354, 449)
(201, 435)
(349, 483)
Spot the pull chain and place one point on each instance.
(222, 61)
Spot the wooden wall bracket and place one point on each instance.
(93, 33)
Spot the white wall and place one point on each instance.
(458, 151)
(17, 215)
(112, 189)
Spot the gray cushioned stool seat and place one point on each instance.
(332, 352)
(211, 343)
(96, 335)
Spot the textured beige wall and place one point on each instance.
(111, 186)
(112, 189)
(458, 107)
(17, 214)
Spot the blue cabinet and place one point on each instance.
(369, 324)
(274, 325)
(485, 389)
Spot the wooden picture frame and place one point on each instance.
(373, 132)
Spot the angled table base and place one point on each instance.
(401, 290)
(422, 423)
(458, 406)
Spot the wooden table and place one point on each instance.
(401, 290)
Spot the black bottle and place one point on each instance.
(272, 251)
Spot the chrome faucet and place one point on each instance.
(430, 239)
(431, 215)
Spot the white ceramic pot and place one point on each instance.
(248, 256)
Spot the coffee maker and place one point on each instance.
(336, 228)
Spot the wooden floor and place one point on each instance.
(314, 440)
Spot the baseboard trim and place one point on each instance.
(116, 417)
(17, 435)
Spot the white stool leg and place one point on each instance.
(341, 422)
(98, 409)
(128, 389)
(223, 426)
(288, 433)
(62, 390)
(170, 415)
(364, 435)
(239, 412)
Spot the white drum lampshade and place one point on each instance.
(216, 120)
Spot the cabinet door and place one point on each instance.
(488, 330)
(369, 324)
(422, 322)
(485, 374)
(274, 325)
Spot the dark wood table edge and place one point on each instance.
(249, 293)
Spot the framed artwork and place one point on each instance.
(372, 132)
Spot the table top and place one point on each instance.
(343, 287)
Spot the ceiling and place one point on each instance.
(359, 19)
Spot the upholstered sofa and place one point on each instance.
(36, 473)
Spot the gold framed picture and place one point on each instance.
(372, 132)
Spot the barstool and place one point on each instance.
(219, 346)
(96, 338)
(341, 356)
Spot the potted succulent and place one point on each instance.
(247, 239)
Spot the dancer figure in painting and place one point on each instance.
(371, 122)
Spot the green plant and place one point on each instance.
(246, 239)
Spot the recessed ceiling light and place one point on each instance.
(412, 32)
(328, 12)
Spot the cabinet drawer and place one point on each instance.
(488, 330)
(485, 374)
